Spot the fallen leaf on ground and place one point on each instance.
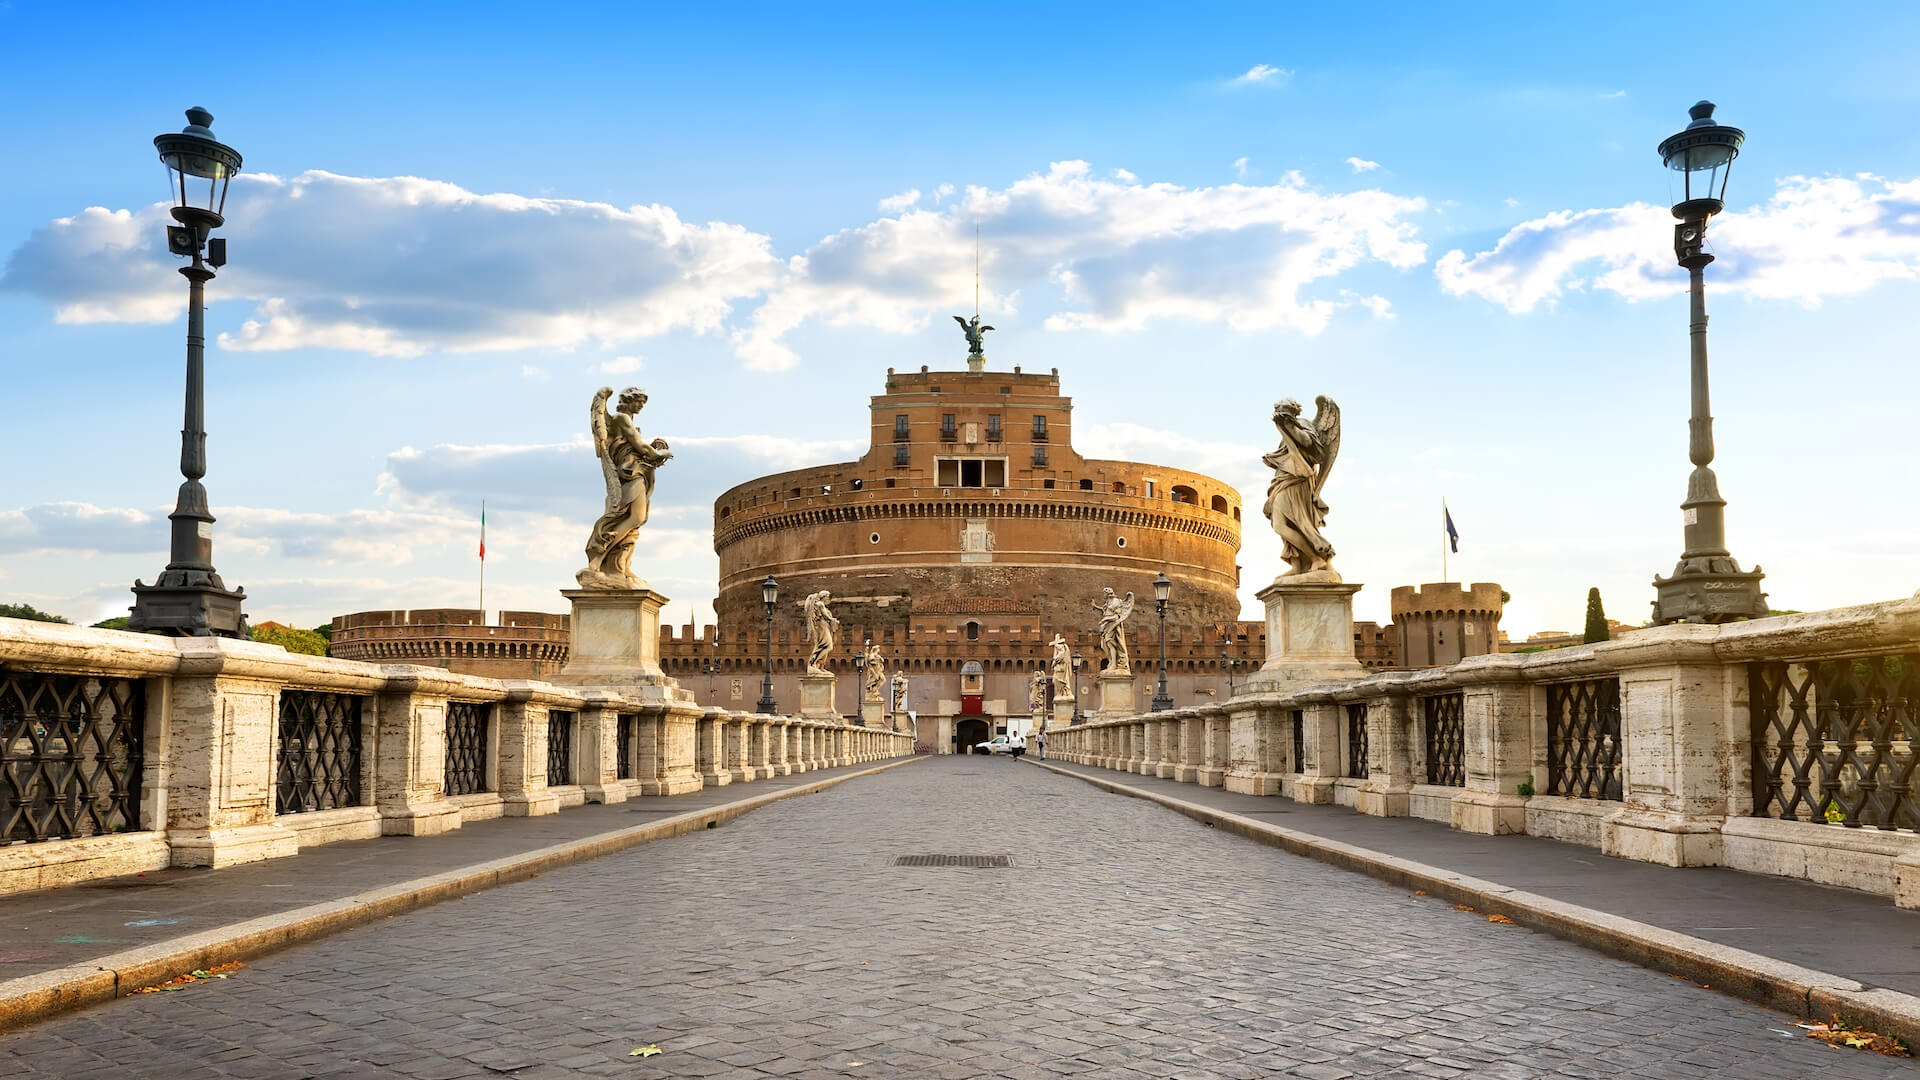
(1501, 919)
(644, 1051)
(181, 982)
(1461, 907)
(1839, 1033)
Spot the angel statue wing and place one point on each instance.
(963, 324)
(597, 421)
(1126, 607)
(1326, 420)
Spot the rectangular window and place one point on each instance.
(1040, 456)
(948, 473)
(993, 427)
(900, 454)
(970, 473)
(996, 473)
(1039, 429)
(900, 428)
(1149, 489)
(948, 429)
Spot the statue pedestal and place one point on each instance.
(615, 643)
(1062, 715)
(1309, 636)
(1116, 695)
(873, 714)
(816, 697)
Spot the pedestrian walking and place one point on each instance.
(1018, 743)
(1040, 741)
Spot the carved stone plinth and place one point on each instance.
(615, 644)
(1309, 636)
(1062, 715)
(873, 714)
(816, 697)
(1116, 695)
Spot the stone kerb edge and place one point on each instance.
(44, 994)
(1763, 980)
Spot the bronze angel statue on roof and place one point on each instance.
(627, 464)
(1300, 466)
(975, 335)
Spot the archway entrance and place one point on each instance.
(968, 732)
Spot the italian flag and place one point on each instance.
(483, 532)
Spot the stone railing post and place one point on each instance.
(221, 724)
(522, 723)
(1497, 710)
(1214, 752)
(1193, 729)
(710, 747)
(596, 747)
(1320, 745)
(1390, 779)
(1137, 750)
(1253, 760)
(411, 750)
(737, 766)
(777, 761)
(664, 751)
(761, 762)
(1169, 745)
(1683, 719)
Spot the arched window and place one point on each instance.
(1183, 494)
(973, 631)
(1219, 504)
(1086, 485)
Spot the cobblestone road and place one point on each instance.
(1126, 942)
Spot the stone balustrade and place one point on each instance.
(124, 752)
(1782, 746)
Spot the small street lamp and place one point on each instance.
(189, 599)
(1077, 716)
(1707, 585)
(770, 593)
(1228, 662)
(860, 682)
(1162, 588)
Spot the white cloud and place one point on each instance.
(1240, 168)
(533, 371)
(1814, 238)
(426, 265)
(1613, 94)
(1119, 254)
(943, 193)
(893, 204)
(1361, 165)
(82, 528)
(1262, 73)
(623, 365)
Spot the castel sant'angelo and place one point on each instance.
(969, 534)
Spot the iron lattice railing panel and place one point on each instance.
(1299, 740)
(467, 724)
(623, 769)
(559, 748)
(319, 758)
(1446, 738)
(71, 753)
(1583, 739)
(1357, 741)
(1835, 741)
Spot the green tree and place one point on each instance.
(325, 630)
(1596, 618)
(28, 611)
(292, 640)
(118, 622)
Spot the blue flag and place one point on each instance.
(1453, 534)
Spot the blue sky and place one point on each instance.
(1191, 217)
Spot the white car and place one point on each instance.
(999, 744)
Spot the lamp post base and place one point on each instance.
(1708, 589)
(188, 609)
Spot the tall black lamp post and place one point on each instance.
(188, 598)
(1075, 684)
(860, 681)
(1707, 585)
(1162, 588)
(769, 592)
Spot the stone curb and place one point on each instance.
(38, 996)
(1776, 984)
